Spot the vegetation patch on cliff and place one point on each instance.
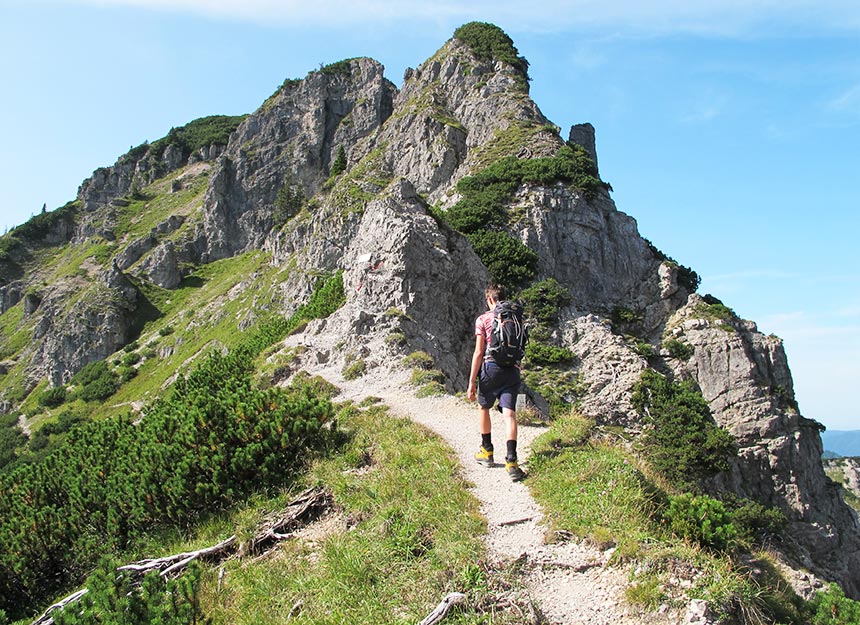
(490, 43)
(199, 133)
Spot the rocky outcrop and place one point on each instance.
(607, 367)
(456, 113)
(403, 272)
(80, 324)
(744, 375)
(583, 135)
(162, 267)
(596, 252)
(291, 141)
(846, 473)
(136, 169)
(10, 295)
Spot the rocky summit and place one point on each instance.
(417, 196)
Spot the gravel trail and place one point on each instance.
(568, 582)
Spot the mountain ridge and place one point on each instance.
(272, 189)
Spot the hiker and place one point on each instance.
(495, 381)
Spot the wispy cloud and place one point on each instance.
(846, 102)
(716, 17)
(705, 107)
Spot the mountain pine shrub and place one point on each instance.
(700, 519)
(681, 440)
(679, 349)
(510, 262)
(543, 300)
(199, 133)
(204, 445)
(488, 42)
(115, 597)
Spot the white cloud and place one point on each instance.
(632, 17)
(846, 102)
(706, 107)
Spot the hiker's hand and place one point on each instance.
(470, 392)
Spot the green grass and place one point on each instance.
(14, 332)
(158, 203)
(203, 316)
(415, 535)
(589, 486)
(597, 490)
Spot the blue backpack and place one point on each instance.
(509, 335)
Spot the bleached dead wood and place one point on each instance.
(303, 510)
(47, 619)
(441, 611)
(171, 564)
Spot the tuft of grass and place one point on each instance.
(419, 359)
(354, 370)
(431, 389)
(420, 377)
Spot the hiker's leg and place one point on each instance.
(484, 423)
(511, 422)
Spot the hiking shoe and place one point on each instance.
(484, 457)
(514, 470)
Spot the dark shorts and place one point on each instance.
(495, 382)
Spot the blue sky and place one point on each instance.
(730, 129)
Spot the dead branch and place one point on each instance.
(47, 619)
(303, 510)
(171, 564)
(441, 611)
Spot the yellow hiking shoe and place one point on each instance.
(485, 457)
(514, 470)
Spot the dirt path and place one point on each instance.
(568, 582)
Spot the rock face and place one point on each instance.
(81, 324)
(846, 471)
(109, 184)
(291, 142)
(744, 375)
(341, 171)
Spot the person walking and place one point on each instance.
(494, 382)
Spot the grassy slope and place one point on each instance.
(593, 487)
(416, 536)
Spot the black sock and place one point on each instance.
(487, 442)
(512, 451)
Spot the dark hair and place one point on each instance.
(496, 292)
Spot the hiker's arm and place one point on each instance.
(477, 359)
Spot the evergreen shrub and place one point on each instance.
(208, 442)
(95, 381)
(490, 43)
(53, 397)
(199, 133)
(543, 300)
(116, 597)
(832, 607)
(679, 349)
(508, 260)
(700, 519)
(681, 440)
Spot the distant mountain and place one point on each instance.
(841, 442)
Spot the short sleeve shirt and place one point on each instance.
(484, 326)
